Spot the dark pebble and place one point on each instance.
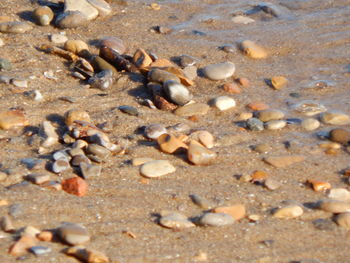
(129, 110)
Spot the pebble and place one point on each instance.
(224, 103)
(340, 135)
(62, 154)
(219, 71)
(38, 178)
(82, 6)
(129, 110)
(319, 186)
(334, 206)
(279, 82)
(102, 7)
(343, 220)
(45, 235)
(169, 143)
(140, 160)
(242, 20)
(161, 76)
(340, 194)
(141, 59)
(6, 224)
(291, 211)
(157, 168)
(60, 166)
(275, 124)
(75, 186)
(100, 64)
(114, 43)
(231, 88)
(185, 61)
(76, 46)
(216, 219)
(19, 82)
(253, 50)
(272, 184)
(244, 116)
(310, 124)
(98, 150)
(324, 224)
(258, 106)
(255, 124)
(102, 80)
(190, 72)
(153, 131)
(58, 38)
(76, 115)
(15, 27)
(262, 148)
(89, 170)
(177, 92)
(21, 246)
(309, 107)
(269, 115)
(200, 201)
(51, 136)
(192, 109)
(335, 118)
(228, 48)
(11, 119)
(34, 95)
(77, 150)
(283, 161)
(206, 138)
(71, 19)
(3, 176)
(2, 42)
(5, 64)
(175, 220)
(79, 159)
(200, 155)
(73, 234)
(39, 250)
(87, 255)
(43, 15)
(237, 211)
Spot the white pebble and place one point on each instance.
(224, 103)
(310, 124)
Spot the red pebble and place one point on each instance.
(75, 186)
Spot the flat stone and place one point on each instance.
(43, 15)
(242, 20)
(340, 194)
(153, 131)
(102, 6)
(82, 6)
(253, 50)
(98, 150)
(255, 124)
(206, 138)
(62, 154)
(175, 220)
(38, 178)
(177, 92)
(87, 255)
(73, 234)
(192, 110)
(15, 27)
(275, 124)
(224, 103)
(140, 160)
(257, 106)
(161, 76)
(19, 82)
(71, 19)
(75, 186)
(190, 72)
(90, 170)
(291, 211)
(279, 82)
(334, 206)
(216, 219)
(262, 148)
(310, 124)
(114, 43)
(60, 166)
(169, 143)
(324, 224)
(219, 71)
(11, 119)
(272, 184)
(309, 107)
(283, 161)
(231, 88)
(270, 114)
(21, 246)
(200, 155)
(58, 38)
(76, 46)
(79, 159)
(157, 168)
(237, 211)
(343, 220)
(335, 118)
(200, 201)
(39, 250)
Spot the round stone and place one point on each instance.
(224, 103)
(71, 19)
(216, 219)
(275, 124)
(76, 46)
(291, 211)
(339, 135)
(310, 124)
(73, 234)
(153, 131)
(200, 155)
(98, 151)
(253, 50)
(76, 115)
(263, 148)
(219, 71)
(334, 206)
(157, 168)
(113, 43)
(270, 114)
(185, 61)
(129, 110)
(335, 118)
(161, 76)
(175, 220)
(255, 124)
(177, 92)
(43, 15)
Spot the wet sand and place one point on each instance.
(311, 45)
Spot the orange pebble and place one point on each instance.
(258, 106)
(231, 88)
(258, 176)
(319, 186)
(45, 236)
(75, 186)
(244, 82)
(236, 211)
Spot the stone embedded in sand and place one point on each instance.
(253, 50)
(334, 206)
(206, 138)
(279, 82)
(73, 234)
(335, 118)
(169, 143)
(309, 107)
(103, 8)
(15, 27)
(140, 160)
(192, 110)
(38, 178)
(340, 194)
(153, 131)
(270, 114)
(340, 135)
(160, 76)
(258, 106)
(39, 250)
(258, 176)
(343, 220)
(175, 220)
(76, 115)
(103, 80)
(310, 124)
(43, 15)
(113, 43)
(224, 103)
(6, 224)
(157, 168)
(283, 161)
(82, 6)
(141, 59)
(262, 148)
(58, 38)
(255, 124)
(87, 255)
(231, 88)
(200, 155)
(290, 211)
(45, 235)
(186, 60)
(272, 184)
(275, 124)
(76, 46)
(89, 170)
(71, 19)
(219, 71)
(242, 20)
(75, 186)
(21, 246)
(11, 119)
(200, 201)
(177, 92)
(190, 72)
(236, 211)
(216, 219)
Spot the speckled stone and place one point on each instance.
(177, 92)
(255, 124)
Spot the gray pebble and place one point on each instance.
(5, 64)
(177, 92)
(80, 158)
(185, 61)
(90, 170)
(40, 250)
(129, 110)
(219, 71)
(60, 165)
(175, 220)
(255, 124)
(73, 234)
(216, 219)
(153, 131)
(102, 80)
(71, 19)
(200, 201)
(98, 150)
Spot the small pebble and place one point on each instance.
(251, 49)
(231, 88)
(11, 119)
(83, 6)
(324, 224)
(200, 201)
(216, 219)
(6, 224)
(190, 72)
(275, 124)
(244, 116)
(21, 246)
(242, 20)
(334, 206)
(283, 161)
(279, 82)
(206, 138)
(20, 83)
(263, 148)
(270, 114)
(43, 15)
(291, 211)
(5, 64)
(272, 184)
(51, 136)
(71, 19)
(310, 124)
(79, 159)
(177, 92)
(219, 71)
(192, 109)
(113, 43)
(157, 168)
(185, 61)
(237, 211)
(343, 220)
(39, 250)
(129, 110)
(340, 194)
(340, 135)
(87, 255)
(98, 150)
(228, 48)
(75, 186)
(141, 59)
(90, 170)
(160, 76)
(200, 155)
(73, 234)
(309, 107)
(38, 178)
(140, 160)
(255, 124)
(76, 46)
(175, 220)
(102, 7)
(60, 165)
(58, 38)
(76, 115)
(319, 186)
(224, 103)
(15, 27)
(169, 143)
(153, 131)
(258, 106)
(335, 118)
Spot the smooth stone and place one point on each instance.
(279, 82)
(310, 124)
(219, 71)
(113, 43)
(74, 151)
(228, 48)
(15, 27)
(43, 15)
(87, 255)
(100, 64)
(82, 6)
(34, 95)
(102, 7)
(11, 119)
(60, 166)
(231, 88)
(76, 46)
(324, 224)
(39, 250)
(73, 234)
(5, 79)
(89, 170)
(140, 160)
(5, 64)
(185, 61)
(224, 103)
(79, 159)
(177, 92)
(161, 76)
(237, 211)
(343, 220)
(270, 114)
(309, 107)
(242, 20)
(51, 136)
(76, 115)
(19, 82)
(98, 150)
(153, 131)
(334, 206)
(38, 178)
(157, 168)
(335, 118)
(283, 161)
(102, 80)
(62, 154)
(255, 124)
(200, 155)
(340, 194)
(141, 59)
(291, 211)
(6, 224)
(200, 201)
(216, 219)
(32, 163)
(192, 110)
(71, 19)
(253, 50)
(190, 72)
(276, 10)
(58, 38)
(206, 138)
(339, 135)
(262, 148)
(272, 184)
(21, 246)
(275, 124)
(169, 143)
(75, 186)
(175, 220)
(129, 110)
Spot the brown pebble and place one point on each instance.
(278, 82)
(319, 186)
(343, 220)
(87, 255)
(339, 135)
(45, 236)
(200, 155)
(21, 246)
(244, 82)
(76, 115)
(257, 106)
(258, 176)
(291, 211)
(237, 211)
(12, 118)
(283, 161)
(75, 185)
(231, 88)
(141, 59)
(169, 143)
